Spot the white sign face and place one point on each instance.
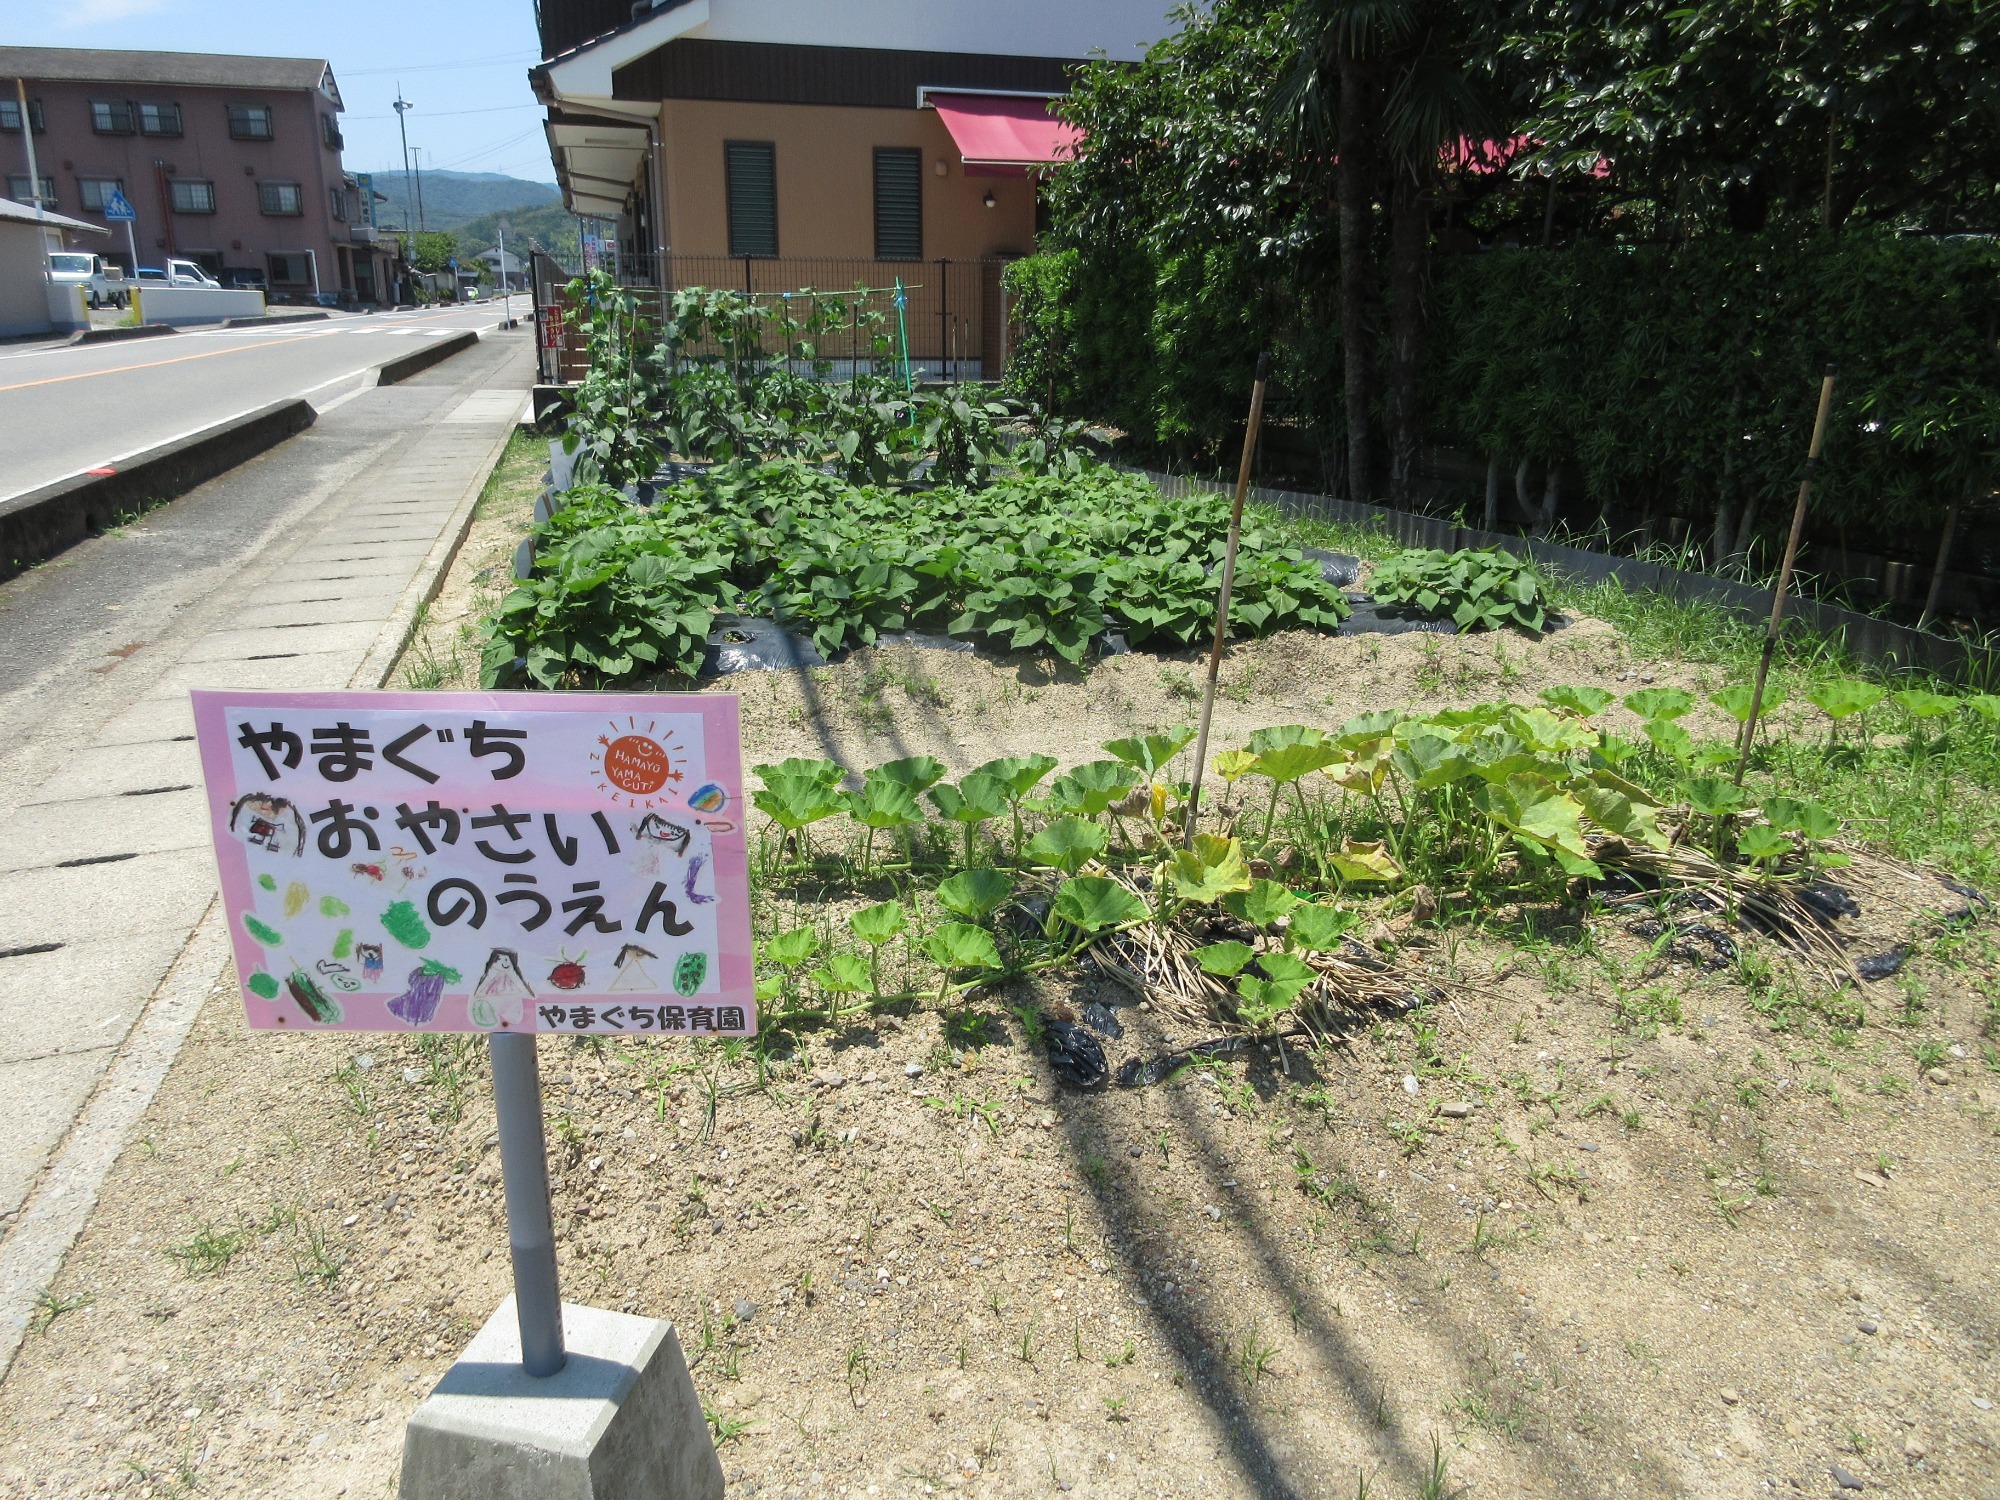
(483, 861)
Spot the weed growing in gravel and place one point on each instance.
(316, 1259)
(50, 1305)
(209, 1249)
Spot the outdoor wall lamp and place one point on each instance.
(989, 200)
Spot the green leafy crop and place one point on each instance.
(1478, 589)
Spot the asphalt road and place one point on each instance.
(65, 409)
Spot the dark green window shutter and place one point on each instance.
(752, 171)
(899, 203)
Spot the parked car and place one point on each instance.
(178, 273)
(104, 284)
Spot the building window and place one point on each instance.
(111, 117)
(751, 172)
(96, 191)
(18, 190)
(281, 199)
(159, 119)
(337, 200)
(329, 131)
(899, 203)
(250, 122)
(191, 195)
(288, 270)
(10, 115)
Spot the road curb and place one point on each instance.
(116, 335)
(402, 622)
(405, 365)
(36, 526)
(66, 1193)
(271, 320)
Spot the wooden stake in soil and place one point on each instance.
(1785, 575)
(1228, 583)
(1937, 571)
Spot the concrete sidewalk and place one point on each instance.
(106, 872)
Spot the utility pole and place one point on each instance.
(28, 139)
(409, 193)
(506, 287)
(419, 155)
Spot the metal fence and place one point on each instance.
(950, 317)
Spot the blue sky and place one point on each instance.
(462, 63)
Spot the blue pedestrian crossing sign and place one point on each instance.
(117, 206)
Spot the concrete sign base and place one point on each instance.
(620, 1421)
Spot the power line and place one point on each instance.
(478, 62)
(445, 114)
(489, 151)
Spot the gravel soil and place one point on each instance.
(1590, 1227)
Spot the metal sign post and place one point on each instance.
(118, 208)
(507, 863)
(524, 1174)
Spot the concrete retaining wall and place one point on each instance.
(41, 523)
(181, 305)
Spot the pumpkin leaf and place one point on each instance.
(958, 945)
(1264, 903)
(844, 973)
(875, 925)
(1149, 753)
(1067, 843)
(1319, 928)
(1585, 702)
(1209, 868)
(1659, 702)
(1020, 774)
(1361, 861)
(1092, 903)
(915, 772)
(1225, 960)
(1844, 697)
(975, 894)
(790, 949)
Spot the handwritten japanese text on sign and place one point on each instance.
(483, 861)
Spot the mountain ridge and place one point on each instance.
(451, 198)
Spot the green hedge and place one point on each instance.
(1645, 369)
(1666, 380)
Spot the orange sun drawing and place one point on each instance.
(634, 765)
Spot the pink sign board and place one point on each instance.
(539, 862)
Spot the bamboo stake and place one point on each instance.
(1937, 570)
(1228, 583)
(1785, 574)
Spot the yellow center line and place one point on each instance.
(179, 359)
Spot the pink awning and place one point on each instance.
(1003, 130)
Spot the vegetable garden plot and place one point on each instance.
(1042, 564)
(1250, 927)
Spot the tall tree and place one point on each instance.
(1727, 114)
(1380, 89)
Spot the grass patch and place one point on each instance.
(517, 478)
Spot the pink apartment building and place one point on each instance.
(231, 162)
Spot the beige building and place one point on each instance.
(773, 144)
